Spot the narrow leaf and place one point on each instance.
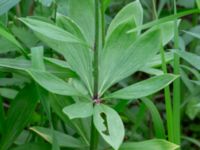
(143, 88)
(155, 144)
(19, 115)
(64, 140)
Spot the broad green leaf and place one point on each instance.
(6, 5)
(191, 58)
(155, 144)
(132, 12)
(157, 120)
(64, 140)
(8, 93)
(19, 115)
(75, 51)
(18, 64)
(109, 124)
(196, 35)
(143, 88)
(45, 79)
(52, 83)
(192, 108)
(69, 25)
(117, 65)
(11, 39)
(79, 110)
(83, 13)
(25, 36)
(7, 46)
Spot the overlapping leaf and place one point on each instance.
(76, 51)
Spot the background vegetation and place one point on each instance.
(45, 67)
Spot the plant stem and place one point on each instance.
(168, 104)
(94, 133)
(154, 9)
(102, 23)
(96, 50)
(176, 85)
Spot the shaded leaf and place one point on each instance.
(19, 115)
(64, 140)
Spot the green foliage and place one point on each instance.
(72, 76)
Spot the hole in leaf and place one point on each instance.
(104, 117)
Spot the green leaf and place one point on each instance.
(117, 65)
(37, 58)
(52, 83)
(11, 38)
(109, 124)
(85, 9)
(198, 3)
(8, 93)
(155, 144)
(191, 58)
(165, 19)
(143, 88)
(18, 115)
(157, 120)
(196, 35)
(33, 146)
(45, 79)
(75, 51)
(79, 110)
(64, 140)
(132, 12)
(69, 25)
(5, 5)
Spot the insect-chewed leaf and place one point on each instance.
(117, 65)
(143, 88)
(64, 140)
(191, 58)
(79, 110)
(155, 144)
(76, 51)
(109, 124)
